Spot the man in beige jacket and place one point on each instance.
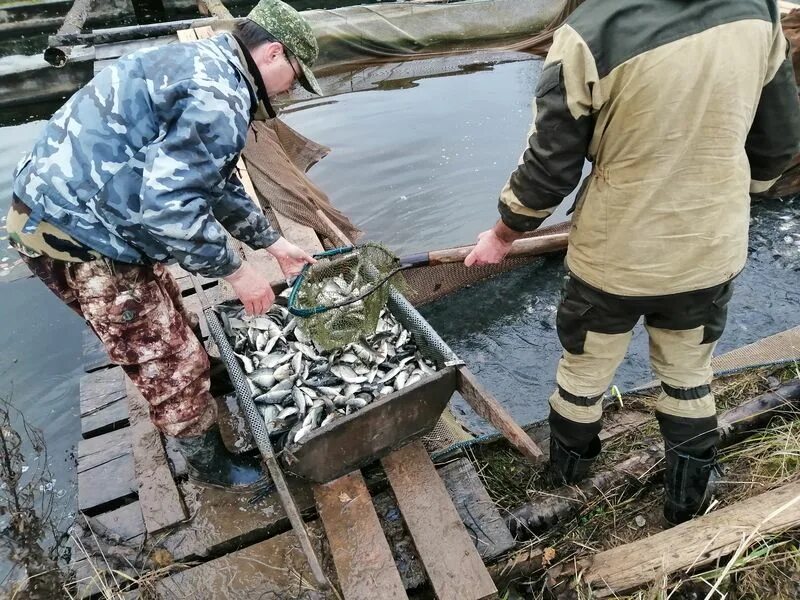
(684, 108)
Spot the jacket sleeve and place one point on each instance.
(203, 128)
(567, 96)
(240, 216)
(774, 137)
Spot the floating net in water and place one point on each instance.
(341, 296)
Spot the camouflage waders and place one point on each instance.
(137, 312)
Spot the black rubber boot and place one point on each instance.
(569, 466)
(686, 484)
(210, 462)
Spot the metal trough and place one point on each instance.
(372, 432)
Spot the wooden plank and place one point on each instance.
(454, 567)
(94, 353)
(105, 483)
(487, 406)
(119, 49)
(275, 568)
(689, 545)
(161, 504)
(480, 516)
(364, 563)
(102, 401)
(97, 451)
(223, 521)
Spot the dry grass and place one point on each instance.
(763, 568)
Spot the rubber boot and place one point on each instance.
(686, 484)
(210, 462)
(570, 466)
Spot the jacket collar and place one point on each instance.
(261, 108)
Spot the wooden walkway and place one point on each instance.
(208, 543)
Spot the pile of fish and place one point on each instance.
(298, 387)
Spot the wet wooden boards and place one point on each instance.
(453, 565)
(161, 503)
(364, 562)
(102, 401)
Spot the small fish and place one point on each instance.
(329, 418)
(299, 400)
(356, 402)
(271, 361)
(347, 374)
(302, 433)
(274, 396)
(297, 362)
(263, 378)
(283, 372)
(285, 384)
(246, 363)
(287, 412)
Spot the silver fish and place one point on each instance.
(283, 372)
(347, 374)
(246, 363)
(287, 412)
(263, 378)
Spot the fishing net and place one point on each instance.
(341, 297)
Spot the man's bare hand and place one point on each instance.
(252, 288)
(291, 259)
(489, 250)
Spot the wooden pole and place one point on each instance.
(73, 23)
(213, 8)
(487, 406)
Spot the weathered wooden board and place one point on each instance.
(223, 520)
(487, 406)
(161, 504)
(364, 563)
(102, 402)
(123, 527)
(480, 516)
(94, 354)
(117, 49)
(275, 568)
(689, 545)
(105, 470)
(451, 561)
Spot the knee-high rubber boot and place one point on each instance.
(568, 465)
(686, 484)
(210, 462)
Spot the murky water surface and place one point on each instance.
(417, 168)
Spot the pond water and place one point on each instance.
(418, 167)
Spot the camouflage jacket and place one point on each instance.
(139, 164)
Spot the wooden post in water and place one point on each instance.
(73, 23)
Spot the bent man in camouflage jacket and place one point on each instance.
(683, 107)
(136, 170)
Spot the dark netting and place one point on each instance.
(426, 284)
(277, 159)
(341, 297)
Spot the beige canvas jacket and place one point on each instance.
(683, 107)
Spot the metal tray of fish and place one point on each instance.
(328, 413)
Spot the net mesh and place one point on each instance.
(343, 294)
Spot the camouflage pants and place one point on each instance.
(138, 314)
